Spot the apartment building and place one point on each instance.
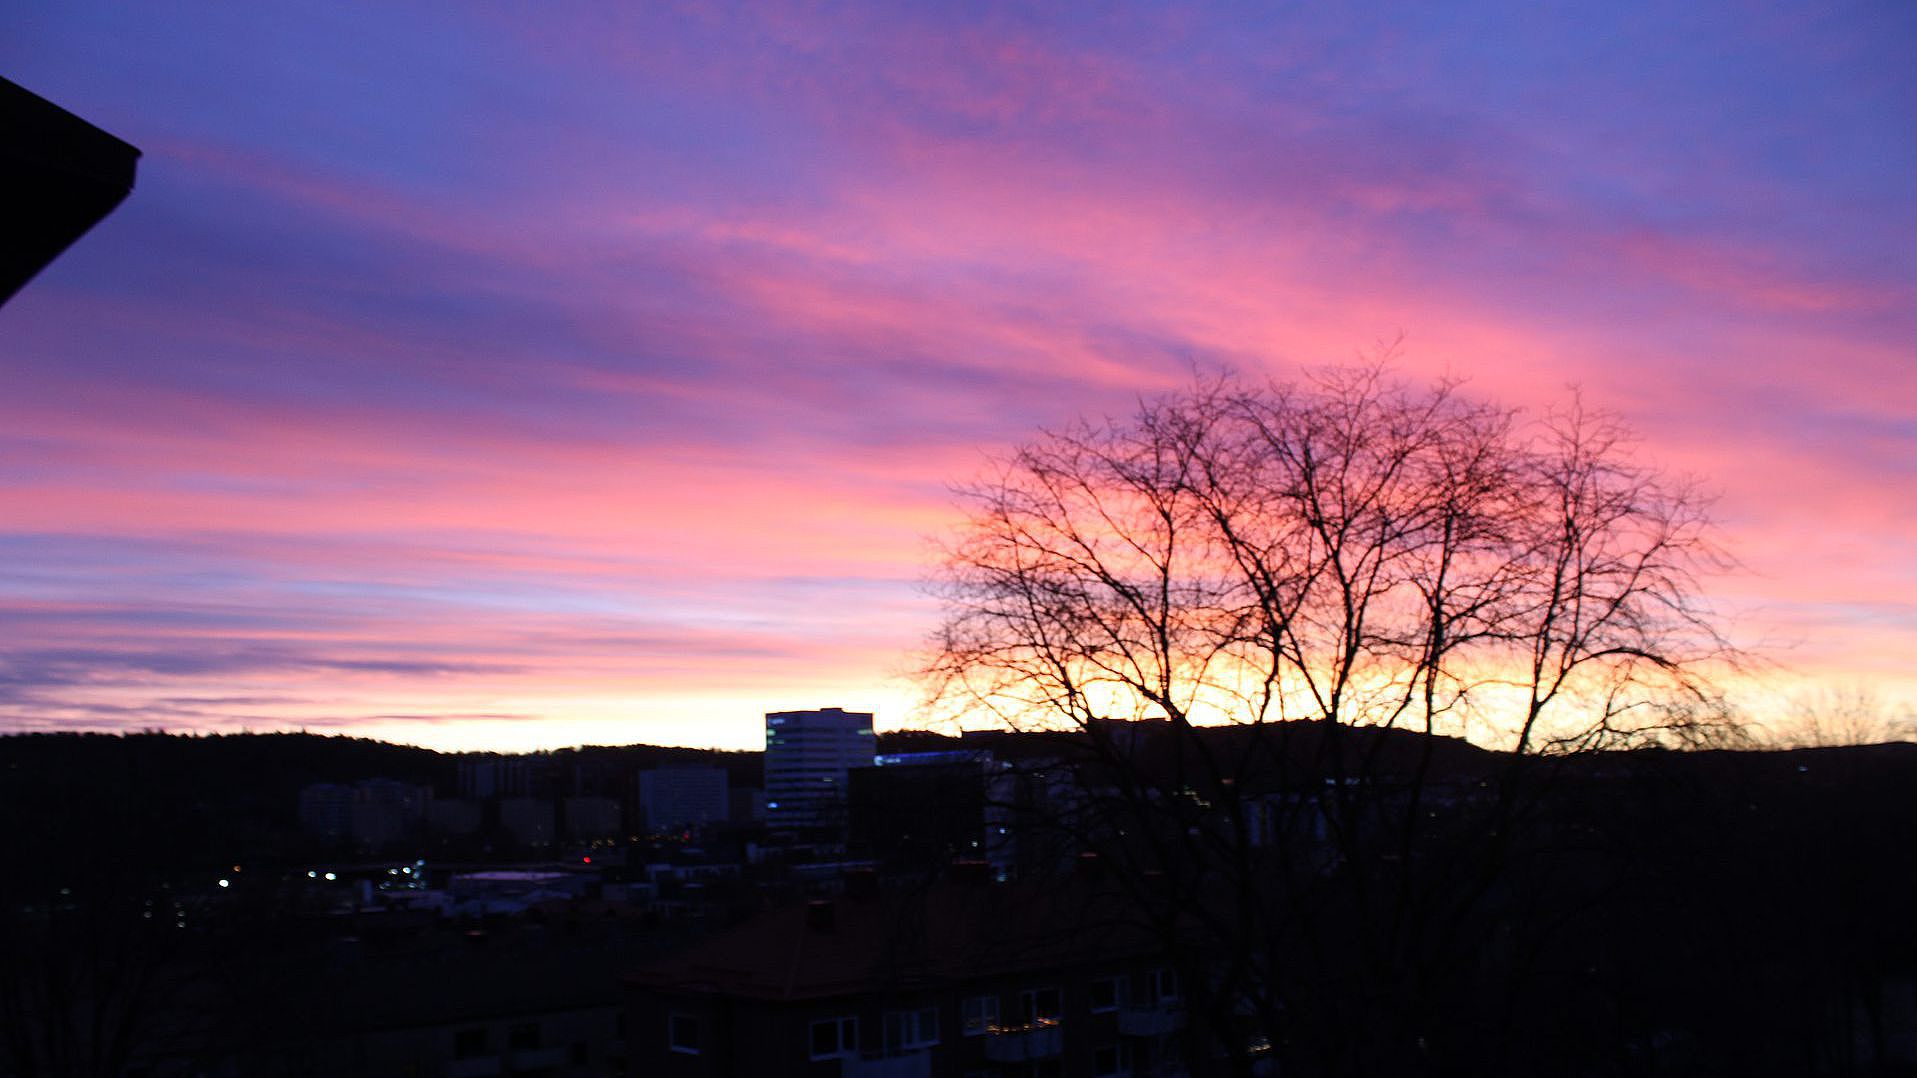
(965, 979)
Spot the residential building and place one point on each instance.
(482, 778)
(529, 820)
(453, 817)
(673, 798)
(386, 811)
(372, 812)
(591, 818)
(964, 978)
(426, 1001)
(326, 810)
(917, 811)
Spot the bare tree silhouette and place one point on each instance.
(1257, 619)
(1832, 717)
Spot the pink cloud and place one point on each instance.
(725, 302)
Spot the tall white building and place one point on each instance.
(807, 756)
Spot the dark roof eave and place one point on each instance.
(59, 176)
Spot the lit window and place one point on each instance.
(682, 1034)
(835, 1037)
(981, 1014)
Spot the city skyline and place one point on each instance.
(491, 379)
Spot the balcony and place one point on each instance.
(1151, 1019)
(913, 1064)
(1025, 1044)
(535, 1059)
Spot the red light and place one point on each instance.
(587, 860)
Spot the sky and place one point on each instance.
(516, 376)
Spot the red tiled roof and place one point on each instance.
(951, 932)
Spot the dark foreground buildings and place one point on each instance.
(1656, 913)
(962, 977)
(1674, 914)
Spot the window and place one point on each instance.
(580, 1053)
(907, 1030)
(523, 1038)
(1103, 995)
(1112, 1061)
(468, 1043)
(682, 1034)
(981, 1014)
(835, 1037)
(1039, 1006)
(1164, 985)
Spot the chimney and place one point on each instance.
(821, 915)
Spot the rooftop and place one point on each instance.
(952, 931)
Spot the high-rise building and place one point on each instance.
(807, 756)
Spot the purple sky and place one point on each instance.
(529, 375)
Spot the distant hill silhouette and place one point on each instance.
(155, 804)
